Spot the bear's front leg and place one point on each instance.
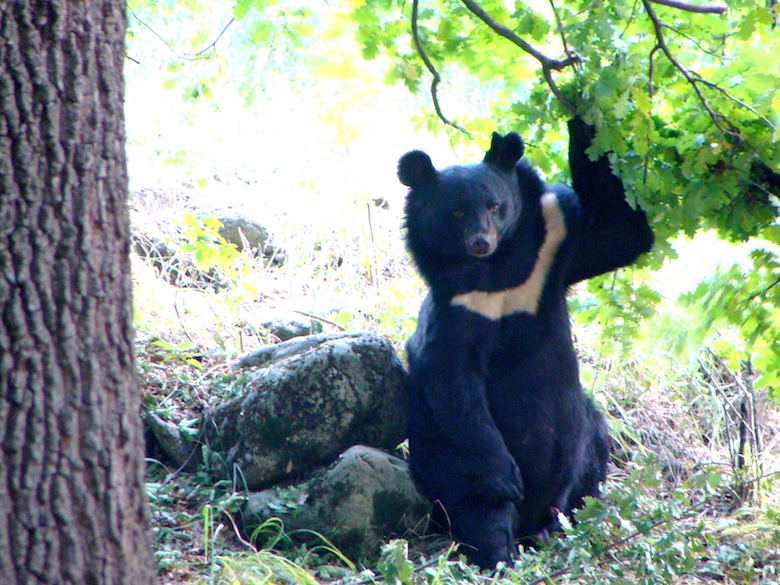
(451, 428)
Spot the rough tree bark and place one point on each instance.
(72, 504)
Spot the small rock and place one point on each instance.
(286, 325)
(169, 438)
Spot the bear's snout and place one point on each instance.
(481, 245)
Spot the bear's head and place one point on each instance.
(462, 210)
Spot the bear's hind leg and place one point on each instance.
(593, 467)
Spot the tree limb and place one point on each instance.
(699, 79)
(429, 65)
(548, 64)
(658, 26)
(692, 7)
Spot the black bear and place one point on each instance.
(501, 433)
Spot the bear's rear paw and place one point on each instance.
(488, 560)
(506, 486)
(488, 534)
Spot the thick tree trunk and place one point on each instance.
(72, 504)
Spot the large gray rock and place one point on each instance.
(307, 401)
(364, 498)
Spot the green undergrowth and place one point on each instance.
(692, 494)
(639, 532)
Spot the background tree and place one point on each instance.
(73, 507)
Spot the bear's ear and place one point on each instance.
(415, 169)
(504, 151)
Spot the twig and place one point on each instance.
(698, 78)
(766, 192)
(548, 65)
(762, 293)
(196, 56)
(171, 476)
(219, 36)
(650, 94)
(651, 71)
(317, 318)
(630, 18)
(211, 370)
(155, 33)
(771, 286)
(658, 26)
(691, 7)
(431, 69)
(747, 421)
(560, 29)
(698, 44)
(729, 410)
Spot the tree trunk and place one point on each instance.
(72, 504)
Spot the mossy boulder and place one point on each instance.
(306, 402)
(365, 497)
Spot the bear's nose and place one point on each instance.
(480, 246)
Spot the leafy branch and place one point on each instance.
(693, 80)
(569, 570)
(693, 77)
(548, 64)
(716, 9)
(561, 32)
(431, 68)
(726, 94)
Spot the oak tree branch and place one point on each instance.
(716, 9)
(694, 81)
(699, 79)
(548, 64)
(429, 65)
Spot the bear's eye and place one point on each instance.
(457, 214)
(493, 208)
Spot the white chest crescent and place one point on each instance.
(525, 297)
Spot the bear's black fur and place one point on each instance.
(501, 433)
